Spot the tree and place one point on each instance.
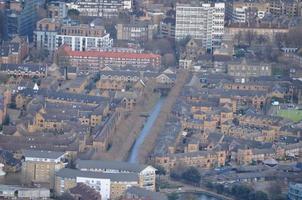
(238, 37)
(250, 37)
(168, 59)
(160, 170)
(260, 195)
(6, 120)
(240, 191)
(219, 188)
(191, 175)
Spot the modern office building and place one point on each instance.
(20, 18)
(201, 21)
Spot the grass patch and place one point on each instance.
(294, 115)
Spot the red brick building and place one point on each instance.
(95, 60)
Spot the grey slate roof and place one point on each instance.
(116, 165)
(145, 194)
(42, 154)
(116, 177)
(24, 67)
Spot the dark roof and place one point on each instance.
(138, 192)
(24, 67)
(42, 154)
(63, 96)
(115, 177)
(104, 164)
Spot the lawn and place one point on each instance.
(294, 115)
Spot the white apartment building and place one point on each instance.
(239, 15)
(205, 22)
(84, 43)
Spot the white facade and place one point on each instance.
(127, 4)
(239, 15)
(205, 22)
(45, 39)
(83, 43)
(99, 184)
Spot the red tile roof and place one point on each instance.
(107, 54)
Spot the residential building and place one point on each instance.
(24, 70)
(45, 33)
(93, 61)
(245, 11)
(108, 185)
(18, 192)
(135, 31)
(57, 9)
(295, 191)
(202, 159)
(146, 173)
(204, 22)
(20, 18)
(14, 51)
(283, 7)
(83, 37)
(167, 28)
(117, 80)
(102, 8)
(243, 70)
(40, 166)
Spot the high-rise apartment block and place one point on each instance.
(201, 21)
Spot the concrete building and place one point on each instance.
(135, 31)
(145, 173)
(20, 18)
(167, 28)
(40, 166)
(201, 21)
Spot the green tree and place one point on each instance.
(191, 175)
